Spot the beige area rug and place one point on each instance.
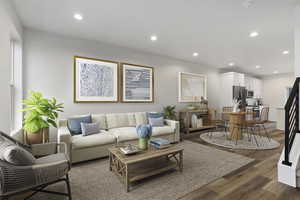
(219, 139)
(202, 164)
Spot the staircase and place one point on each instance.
(289, 162)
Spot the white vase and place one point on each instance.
(199, 122)
(235, 108)
(194, 121)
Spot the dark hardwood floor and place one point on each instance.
(257, 180)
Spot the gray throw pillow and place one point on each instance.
(18, 156)
(90, 128)
(75, 126)
(159, 121)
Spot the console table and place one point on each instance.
(185, 120)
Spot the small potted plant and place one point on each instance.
(144, 132)
(40, 114)
(169, 112)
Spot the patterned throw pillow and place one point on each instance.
(156, 121)
(75, 126)
(90, 128)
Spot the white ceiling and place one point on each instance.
(217, 29)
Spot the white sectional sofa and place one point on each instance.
(115, 128)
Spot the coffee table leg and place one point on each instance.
(110, 161)
(181, 161)
(127, 179)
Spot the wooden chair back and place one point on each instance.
(226, 110)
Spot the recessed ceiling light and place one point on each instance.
(231, 64)
(253, 34)
(285, 52)
(275, 72)
(78, 16)
(257, 66)
(153, 38)
(195, 54)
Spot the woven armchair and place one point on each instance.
(52, 166)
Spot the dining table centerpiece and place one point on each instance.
(144, 132)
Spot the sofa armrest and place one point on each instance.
(64, 136)
(175, 125)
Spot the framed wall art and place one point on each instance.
(137, 83)
(95, 80)
(192, 87)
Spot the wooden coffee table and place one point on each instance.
(130, 168)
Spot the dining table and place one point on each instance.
(236, 121)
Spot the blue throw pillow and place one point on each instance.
(156, 121)
(144, 131)
(154, 115)
(74, 124)
(90, 128)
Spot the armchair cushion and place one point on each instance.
(18, 156)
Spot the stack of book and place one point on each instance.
(160, 143)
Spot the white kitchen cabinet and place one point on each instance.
(228, 80)
(255, 85)
(257, 88)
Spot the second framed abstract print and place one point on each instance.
(137, 83)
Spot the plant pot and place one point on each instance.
(41, 136)
(143, 143)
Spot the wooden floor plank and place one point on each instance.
(255, 181)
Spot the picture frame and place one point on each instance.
(137, 83)
(191, 87)
(95, 80)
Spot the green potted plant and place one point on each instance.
(169, 112)
(40, 114)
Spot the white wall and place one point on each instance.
(274, 95)
(10, 29)
(297, 41)
(49, 69)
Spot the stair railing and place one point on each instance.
(291, 121)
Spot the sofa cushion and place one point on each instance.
(124, 133)
(116, 120)
(162, 130)
(102, 138)
(74, 123)
(141, 118)
(100, 118)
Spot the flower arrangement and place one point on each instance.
(144, 132)
(236, 103)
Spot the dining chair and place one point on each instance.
(263, 118)
(249, 125)
(218, 122)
